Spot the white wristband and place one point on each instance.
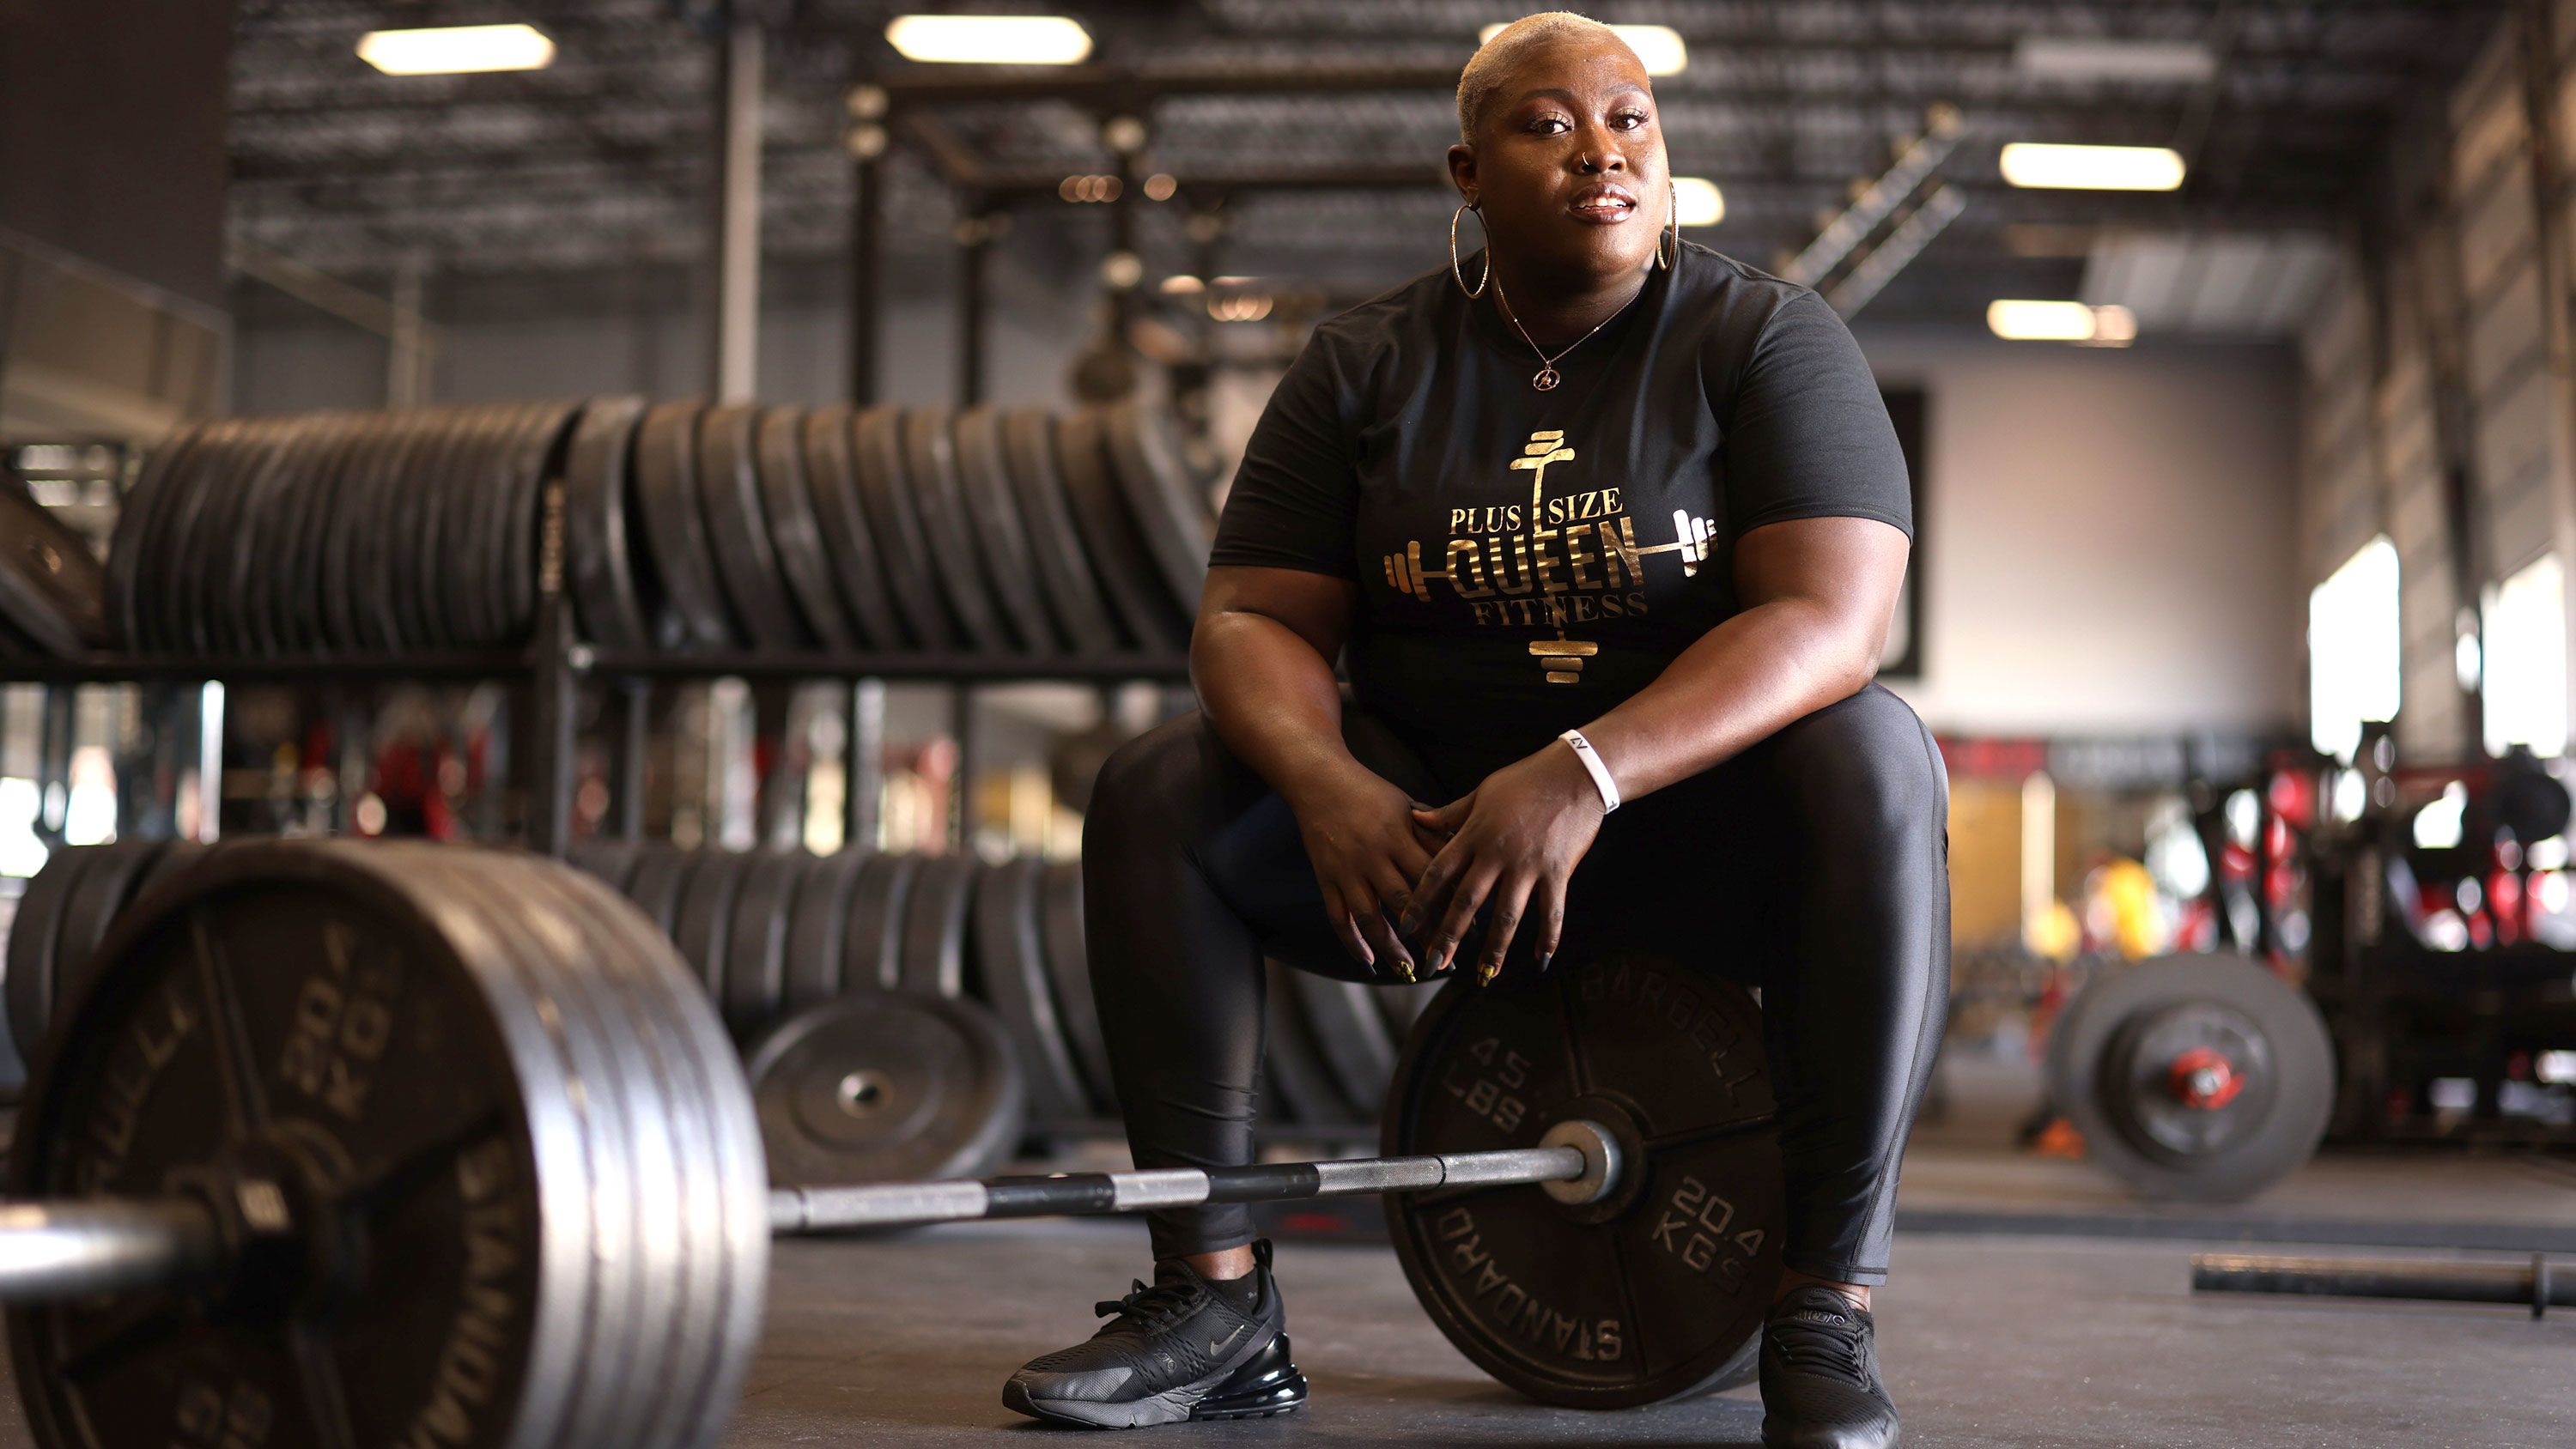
(1592, 765)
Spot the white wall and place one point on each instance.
(2110, 535)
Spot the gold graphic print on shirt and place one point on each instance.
(1565, 561)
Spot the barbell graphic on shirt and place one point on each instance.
(1693, 540)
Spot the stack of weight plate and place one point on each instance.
(61, 918)
(772, 933)
(387, 532)
(986, 530)
(1013, 532)
(53, 594)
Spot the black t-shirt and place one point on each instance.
(1528, 559)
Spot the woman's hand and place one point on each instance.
(1514, 839)
(1367, 851)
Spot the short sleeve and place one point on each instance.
(1809, 436)
(1295, 500)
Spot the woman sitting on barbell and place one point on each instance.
(1600, 516)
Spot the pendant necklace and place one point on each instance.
(1546, 378)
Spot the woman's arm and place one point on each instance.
(1261, 660)
(1818, 596)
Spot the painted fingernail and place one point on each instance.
(1545, 958)
(1488, 971)
(1405, 923)
(1404, 968)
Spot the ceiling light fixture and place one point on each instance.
(2092, 168)
(1659, 48)
(1697, 201)
(2098, 58)
(457, 49)
(2024, 320)
(990, 39)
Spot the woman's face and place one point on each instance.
(1565, 105)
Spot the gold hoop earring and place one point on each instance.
(1673, 224)
(1459, 273)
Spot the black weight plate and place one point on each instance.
(755, 974)
(738, 528)
(818, 930)
(346, 619)
(453, 1139)
(134, 521)
(1351, 1035)
(1010, 967)
(1063, 567)
(1295, 1069)
(795, 533)
(660, 876)
(1658, 1291)
(257, 528)
(291, 588)
(429, 473)
(885, 1087)
(992, 507)
(930, 463)
(1136, 592)
(601, 540)
(534, 458)
(175, 859)
(424, 436)
(894, 520)
(455, 507)
(52, 589)
(703, 929)
(113, 877)
(1179, 527)
(34, 933)
(198, 544)
(849, 542)
(2115, 1049)
(168, 577)
(303, 600)
(1068, 960)
(612, 861)
(873, 950)
(675, 527)
(934, 925)
(464, 583)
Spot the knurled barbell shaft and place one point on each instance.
(56, 1250)
(2533, 1283)
(810, 1210)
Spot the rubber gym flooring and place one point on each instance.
(1994, 1336)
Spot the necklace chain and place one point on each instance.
(1547, 377)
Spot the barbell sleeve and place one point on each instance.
(815, 1210)
(71, 1249)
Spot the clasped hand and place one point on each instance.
(1512, 843)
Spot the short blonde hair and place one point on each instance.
(1483, 77)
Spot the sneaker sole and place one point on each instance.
(1274, 1391)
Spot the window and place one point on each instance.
(2526, 660)
(2352, 649)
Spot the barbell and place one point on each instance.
(400, 1144)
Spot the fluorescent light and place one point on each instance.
(457, 49)
(990, 39)
(2091, 58)
(2018, 320)
(1174, 286)
(1698, 200)
(1659, 48)
(2092, 168)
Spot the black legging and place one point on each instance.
(1813, 866)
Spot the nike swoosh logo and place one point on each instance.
(1220, 1345)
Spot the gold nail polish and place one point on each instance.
(1487, 972)
(1404, 969)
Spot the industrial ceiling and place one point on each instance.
(605, 160)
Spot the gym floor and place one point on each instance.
(2033, 1305)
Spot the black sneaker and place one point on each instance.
(1820, 1383)
(1177, 1350)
